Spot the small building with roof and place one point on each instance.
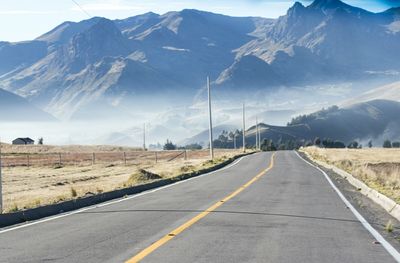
(23, 141)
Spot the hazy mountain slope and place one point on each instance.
(63, 33)
(250, 72)
(73, 69)
(191, 44)
(202, 138)
(386, 92)
(14, 108)
(15, 56)
(132, 26)
(363, 121)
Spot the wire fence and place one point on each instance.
(85, 159)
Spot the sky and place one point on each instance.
(26, 19)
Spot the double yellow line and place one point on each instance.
(147, 251)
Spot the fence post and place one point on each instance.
(59, 159)
(93, 158)
(28, 159)
(156, 156)
(125, 158)
(185, 154)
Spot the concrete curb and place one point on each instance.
(385, 202)
(54, 209)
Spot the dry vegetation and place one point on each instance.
(36, 185)
(36, 149)
(378, 168)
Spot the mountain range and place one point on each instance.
(101, 68)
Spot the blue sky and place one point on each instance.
(27, 19)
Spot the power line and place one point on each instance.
(81, 8)
(128, 48)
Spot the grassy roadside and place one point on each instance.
(30, 187)
(378, 168)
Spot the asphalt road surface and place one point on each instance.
(256, 210)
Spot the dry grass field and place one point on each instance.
(49, 182)
(36, 149)
(377, 167)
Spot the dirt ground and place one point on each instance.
(36, 185)
(377, 167)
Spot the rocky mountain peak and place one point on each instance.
(100, 40)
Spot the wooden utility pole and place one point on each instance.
(144, 136)
(259, 137)
(210, 120)
(257, 142)
(244, 129)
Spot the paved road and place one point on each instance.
(288, 214)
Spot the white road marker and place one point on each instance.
(40, 221)
(389, 248)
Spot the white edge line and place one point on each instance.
(51, 218)
(389, 248)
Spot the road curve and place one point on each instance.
(287, 213)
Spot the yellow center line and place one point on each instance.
(145, 252)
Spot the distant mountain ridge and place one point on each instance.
(123, 64)
(16, 109)
(374, 120)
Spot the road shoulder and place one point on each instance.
(372, 212)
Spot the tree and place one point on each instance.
(396, 144)
(387, 144)
(370, 144)
(317, 141)
(193, 146)
(168, 146)
(338, 144)
(308, 143)
(353, 145)
(268, 145)
(40, 141)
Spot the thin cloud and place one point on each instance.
(25, 12)
(106, 7)
(391, 2)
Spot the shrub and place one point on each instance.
(73, 192)
(194, 146)
(396, 144)
(353, 145)
(168, 146)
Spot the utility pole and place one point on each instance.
(1, 185)
(234, 141)
(210, 119)
(144, 136)
(244, 129)
(259, 137)
(257, 142)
